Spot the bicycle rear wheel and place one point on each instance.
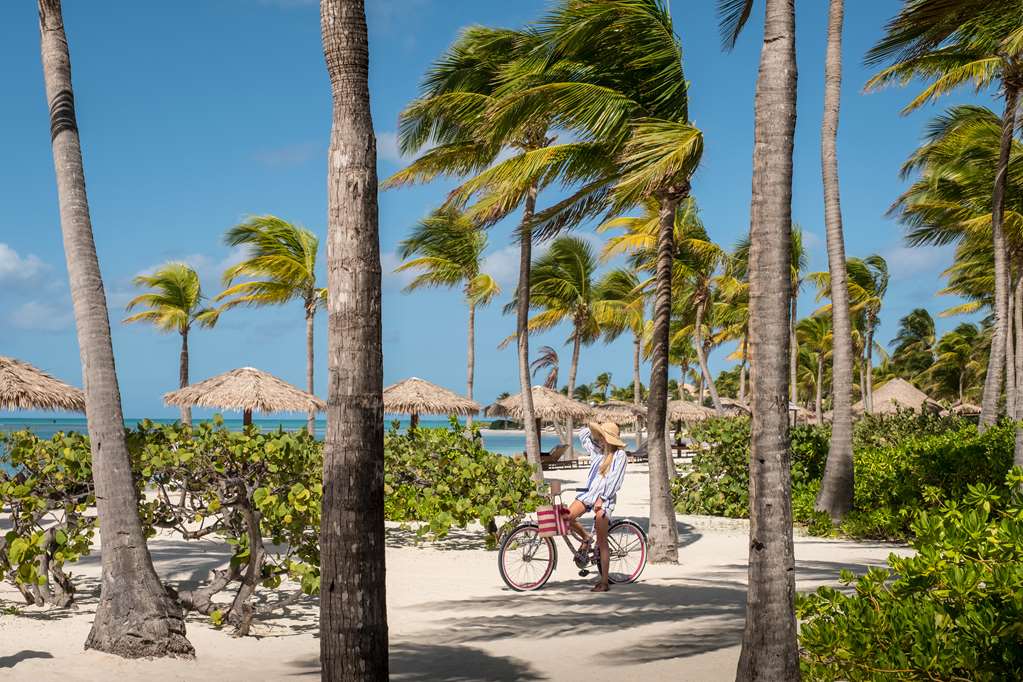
(627, 544)
(526, 560)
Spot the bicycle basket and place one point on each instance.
(552, 519)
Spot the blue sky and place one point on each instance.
(197, 113)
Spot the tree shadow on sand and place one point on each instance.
(15, 659)
(412, 662)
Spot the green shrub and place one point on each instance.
(445, 478)
(891, 430)
(953, 611)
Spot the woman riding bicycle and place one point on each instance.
(607, 471)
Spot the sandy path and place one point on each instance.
(451, 618)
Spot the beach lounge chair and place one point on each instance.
(640, 454)
(552, 459)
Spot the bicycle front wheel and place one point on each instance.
(526, 560)
(626, 543)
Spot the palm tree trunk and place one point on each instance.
(135, 616)
(793, 353)
(742, 371)
(863, 383)
(996, 361)
(353, 607)
(663, 533)
(186, 412)
(701, 356)
(836, 493)
(470, 358)
(1018, 323)
(310, 316)
(818, 402)
(769, 647)
(572, 369)
(522, 332)
(637, 394)
(868, 368)
(1010, 355)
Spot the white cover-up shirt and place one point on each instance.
(601, 486)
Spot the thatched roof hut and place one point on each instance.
(23, 387)
(246, 389)
(732, 407)
(416, 396)
(687, 411)
(966, 409)
(898, 394)
(548, 405)
(619, 412)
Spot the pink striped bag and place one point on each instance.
(552, 519)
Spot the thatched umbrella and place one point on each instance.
(734, 408)
(245, 389)
(619, 412)
(548, 405)
(688, 411)
(966, 409)
(898, 394)
(23, 387)
(416, 396)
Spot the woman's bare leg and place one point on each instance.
(575, 510)
(602, 524)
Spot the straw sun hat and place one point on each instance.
(609, 432)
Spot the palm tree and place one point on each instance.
(622, 307)
(836, 493)
(769, 647)
(281, 265)
(135, 616)
(448, 250)
(601, 384)
(583, 393)
(174, 304)
(816, 338)
(958, 365)
(353, 608)
(914, 344)
(952, 44)
(547, 359)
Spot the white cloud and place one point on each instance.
(17, 269)
(503, 266)
(387, 147)
(42, 316)
(389, 260)
(905, 262)
(289, 156)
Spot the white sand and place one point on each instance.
(451, 618)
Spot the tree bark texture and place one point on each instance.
(663, 532)
(186, 412)
(135, 617)
(793, 353)
(836, 493)
(769, 646)
(353, 613)
(310, 317)
(522, 332)
(1010, 354)
(701, 356)
(470, 357)
(996, 360)
(868, 368)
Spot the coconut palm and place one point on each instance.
(279, 267)
(914, 344)
(815, 337)
(446, 249)
(353, 609)
(135, 616)
(958, 365)
(601, 384)
(769, 646)
(836, 493)
(547, 359)
(622, 308)
(174, 305)
(951, 44)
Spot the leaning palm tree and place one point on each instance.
(135, 616)
(280, 265)
(952, 44)
(602, 384)
(446, 249)
(547, 359)
(957, 367)
(914, 343)
(769, 647)
(174, 304)
(353, 609)
(836, 493)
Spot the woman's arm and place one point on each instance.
(586, 438)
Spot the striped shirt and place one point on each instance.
(601, 486)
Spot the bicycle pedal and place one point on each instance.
(583, 573)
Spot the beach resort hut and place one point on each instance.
(688, 411)
(416, 396)
(733, 408)
(246, 389)
(23, 387)
(899, 394)
(621, 413)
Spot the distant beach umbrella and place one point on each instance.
(733, 408)
(548, 405)
(416, 396)
(619, 412)
(23, 387)
(966, 409)
(898, 394)
(246, 389)
(688, 411)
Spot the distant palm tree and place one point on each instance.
(623, 308)
(175, 304)
(547, 359)
(583, 393)
(447, 249)
(135, 616)
(914, 344)
(958, 365)
(815, 337)
(601, 384)
(281, 266)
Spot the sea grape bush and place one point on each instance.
(443, 478)
(953, 611)
(47, 502)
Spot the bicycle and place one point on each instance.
(527, 560)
